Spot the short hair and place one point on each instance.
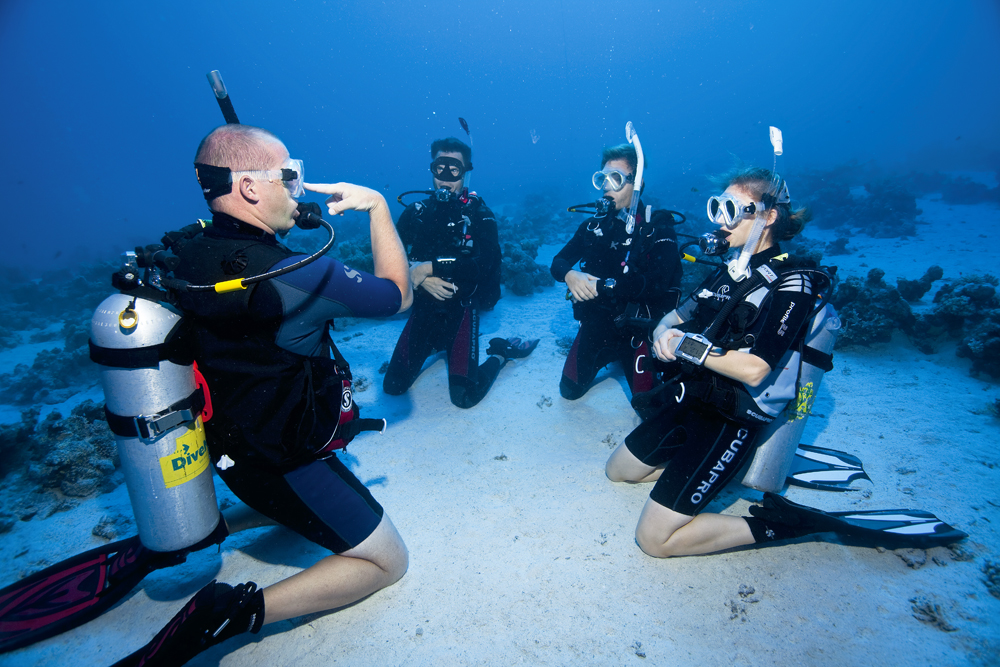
(623, 152)
(757, 182)
(238, 147)
(452, 145)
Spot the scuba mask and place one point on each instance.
(613, 179)
(449, 169)
(728, 211)
(218, 181)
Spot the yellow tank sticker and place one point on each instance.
(804, 401)
(189, 459)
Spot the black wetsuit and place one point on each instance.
(465, 231)
(708, 423)
(648, 290)
(266, 355)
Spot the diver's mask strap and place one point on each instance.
(214, 181)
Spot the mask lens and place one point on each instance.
(731, 210)
(713, 209)
(293, 176)
(447, 169)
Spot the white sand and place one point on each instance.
(531, 559)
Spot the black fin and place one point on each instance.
(888, 528)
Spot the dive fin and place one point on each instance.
(80, 588)
(825, 469)
(512, 348)
(889, 528)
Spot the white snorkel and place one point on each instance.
(739, 268)
(633, 139)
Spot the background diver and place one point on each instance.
(454, 253)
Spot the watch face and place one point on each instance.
(692, 348)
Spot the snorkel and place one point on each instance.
(739, 269)
(633, 139)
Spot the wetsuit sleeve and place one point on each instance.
(326, 289)
(567, 258)
(790, 307)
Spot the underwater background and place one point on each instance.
(889, 114)
(105, 102)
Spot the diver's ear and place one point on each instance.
(772, 216)
(249, 189)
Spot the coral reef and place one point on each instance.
(870, 309)
(914, 290)
(885, 208)
(966, 309)
(56, 374)
(76, 456)
(520, 273)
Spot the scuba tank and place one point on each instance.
(154, 408)
(774, 456)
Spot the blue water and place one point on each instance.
(104, 103)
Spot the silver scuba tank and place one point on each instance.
(774, 456)
(158, 428)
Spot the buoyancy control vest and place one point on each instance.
(271, 406)
(610, 252)
(729, 322)
(452, 231)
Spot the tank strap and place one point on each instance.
(816, 358)
(140, 357)
(148, 427)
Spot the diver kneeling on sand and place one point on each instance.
(280, 390)
(726, 351)
(629, 276)
(454, 251)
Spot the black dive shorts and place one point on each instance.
(702, 452)
(322, 501)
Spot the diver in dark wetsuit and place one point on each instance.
(454, 253)
(274, 378)
(623, 274)
(725, 385)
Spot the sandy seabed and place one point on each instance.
(522, 552)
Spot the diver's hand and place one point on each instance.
(582, 286)
(441, 290)
(665, 344)
(348, 197)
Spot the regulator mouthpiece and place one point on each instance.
(714, 244)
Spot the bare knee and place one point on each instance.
(653, 541)
(385, 549)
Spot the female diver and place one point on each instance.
(727, 384)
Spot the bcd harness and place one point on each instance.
(287, 408)
(756, 405)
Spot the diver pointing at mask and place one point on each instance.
(629, 277)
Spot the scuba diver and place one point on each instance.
(279, 389)
(629, 277)
(727, 350)
(455, 263)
